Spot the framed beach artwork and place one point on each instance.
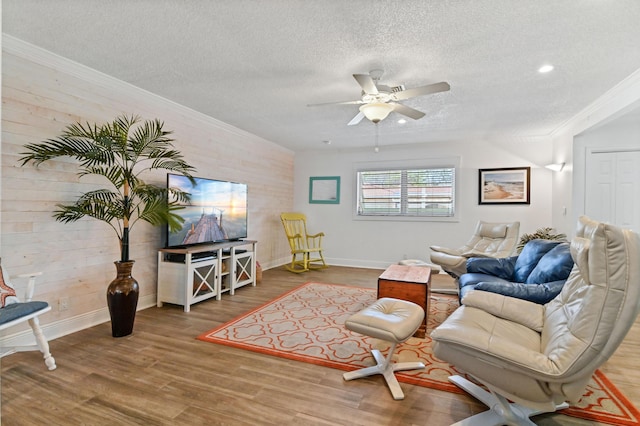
(505, 186)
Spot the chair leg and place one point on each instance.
(324, 265)
(294, 263)
(386, 368)
(43, 345)
(501, 411)
(317, 262)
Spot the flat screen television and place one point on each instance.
(217, 211)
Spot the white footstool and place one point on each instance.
(391, 320)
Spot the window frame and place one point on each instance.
(428, 163)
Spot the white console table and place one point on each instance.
(191, 275)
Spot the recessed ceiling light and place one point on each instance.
(402, 121)
(545, 68)
(326, 142)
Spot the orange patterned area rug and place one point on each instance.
(307, 324)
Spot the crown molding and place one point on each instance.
(616, 99)
(31, 52)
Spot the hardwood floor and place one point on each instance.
(162, 375)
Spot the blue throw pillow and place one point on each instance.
(500, 267)
(554, 266)
(529, 258)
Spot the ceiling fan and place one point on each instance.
(378, 100)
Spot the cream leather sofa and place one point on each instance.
(540, 356)
(489, 240)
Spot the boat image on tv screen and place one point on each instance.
(217, 211)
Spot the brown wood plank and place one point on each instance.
(162, 375)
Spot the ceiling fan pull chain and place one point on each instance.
(376, 149)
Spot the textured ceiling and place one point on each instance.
(258, 64)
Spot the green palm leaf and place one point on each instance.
(120, 152)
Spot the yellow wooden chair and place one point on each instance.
(306, 250)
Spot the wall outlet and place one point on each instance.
(63, 304)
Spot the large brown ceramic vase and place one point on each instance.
(122, 299)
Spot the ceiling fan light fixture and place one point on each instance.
(376, 111)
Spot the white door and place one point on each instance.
(613, 187)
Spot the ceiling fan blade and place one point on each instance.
(421, 91)
(405, 110)
(358, 102)
(355, 120)
(366, 82)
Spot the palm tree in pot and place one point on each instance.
(119, 152)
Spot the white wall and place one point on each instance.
(42, 94)
(600, 124)
(380, 243)
(620, 134)
(562, 207)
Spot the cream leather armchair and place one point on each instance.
(542, 356)
(489, 240)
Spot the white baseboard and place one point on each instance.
(359, 263)
(56, 329)
(66, 326)
(275, 263)
(351, 263)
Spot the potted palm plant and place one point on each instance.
(119, 152)
(540, 234)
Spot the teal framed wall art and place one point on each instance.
(324, 190)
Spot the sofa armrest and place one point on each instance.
(451, 264)
(523, 312)
(445, 250)
(478, 254)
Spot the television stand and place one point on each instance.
(195, 256)
(193, 274)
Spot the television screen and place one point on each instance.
(217, 211)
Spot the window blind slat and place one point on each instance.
(412, 192)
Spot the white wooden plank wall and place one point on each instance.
(41, 97)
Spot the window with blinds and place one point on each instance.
(421, 192)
